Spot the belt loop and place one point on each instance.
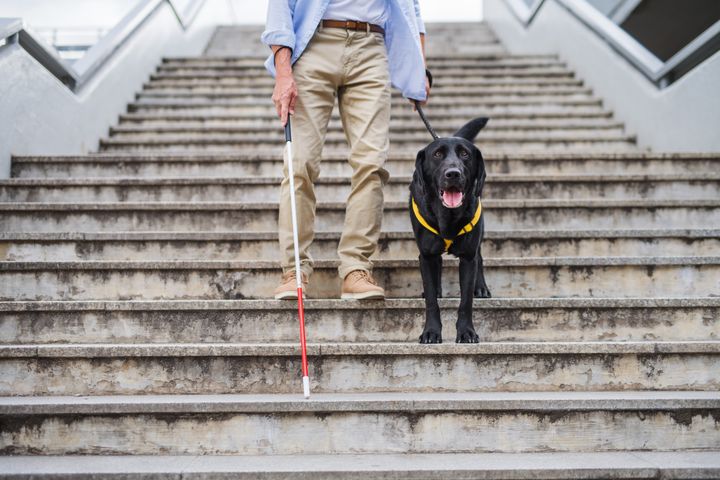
(367, 28)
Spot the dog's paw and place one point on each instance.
(482, 292)
(430, 336)
(467, 335)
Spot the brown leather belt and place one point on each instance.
(353, 25)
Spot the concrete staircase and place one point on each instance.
(135, 332)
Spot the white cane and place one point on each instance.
(288, 157)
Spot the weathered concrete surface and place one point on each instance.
(237, 216)
(341, 321)
(334, 164)
(254, 368)
(432, 432)
(558, 402)
(507, 277)
(519, 466)
(229, 246)
(337, 189)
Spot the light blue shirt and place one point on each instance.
(292, 23)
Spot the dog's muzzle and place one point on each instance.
(453, 185)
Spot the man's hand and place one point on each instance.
(285, 92)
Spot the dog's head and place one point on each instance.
(452, 167)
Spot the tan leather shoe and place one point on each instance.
(360, 285)
(287, 289)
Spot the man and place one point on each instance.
(352, 50)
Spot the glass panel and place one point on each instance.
(664, 27)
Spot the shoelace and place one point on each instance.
(362, 274)
(289, 275)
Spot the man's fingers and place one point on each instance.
(293, 100)
(284, 113)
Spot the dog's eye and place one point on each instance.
(463, 154)
(437, 154)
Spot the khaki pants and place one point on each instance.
(352, 66)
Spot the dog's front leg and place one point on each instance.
(465, 329)
(481, 288)
(429, 264)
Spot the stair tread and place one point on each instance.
(409, 156)
(346, 402)
(380, 263)
(398, 234)
(111, 350)
(218, 205)
(402, 179)
(460, 466)
(337, 304)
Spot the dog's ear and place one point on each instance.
(418, 176)
(470, 130)
(480, 182)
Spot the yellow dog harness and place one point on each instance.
(448, 241)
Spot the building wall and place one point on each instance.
(682, 117)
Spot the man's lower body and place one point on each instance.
(352, 66)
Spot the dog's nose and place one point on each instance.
(452, 173)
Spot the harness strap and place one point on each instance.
(448, 241)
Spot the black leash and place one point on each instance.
(425, 121)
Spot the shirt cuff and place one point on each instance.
(286, 38)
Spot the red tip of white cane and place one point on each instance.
(306, 387)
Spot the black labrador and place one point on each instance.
(446, 216)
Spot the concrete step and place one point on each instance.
(455, 82)
(269, 125)
(217, 280)
(251, 59)
(197, 101)
(150, 246)
(337, 189)
(402, 163)
(449, 77)
(400, 320)
(450, 57)
(441, 98)
(415, 134)
(336, 139)
(440, 68)
(219, 216)
(447, 72)
(572, 141)
(401, 115)
(222, 368)
(459, 466)
(439, 91)
(383, 423)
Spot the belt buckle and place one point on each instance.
(349, 25)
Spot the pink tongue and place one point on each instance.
(452, 198)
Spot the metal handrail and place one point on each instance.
(78, 74)
(524, 13)
(658, 72)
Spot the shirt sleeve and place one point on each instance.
(279, 26)
(418, 17)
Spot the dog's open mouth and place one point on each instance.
(452, 197)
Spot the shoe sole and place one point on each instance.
(363, 296)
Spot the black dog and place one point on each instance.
(446, 216)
